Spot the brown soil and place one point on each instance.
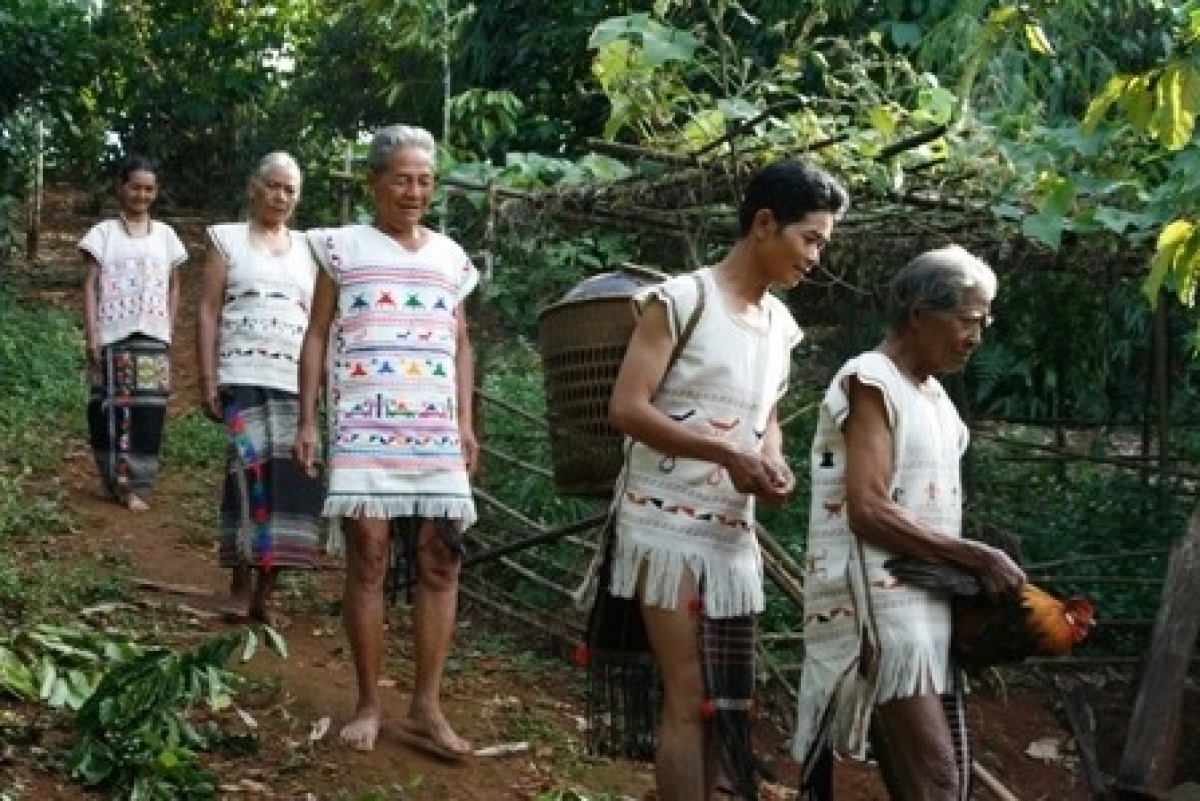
(494, 694)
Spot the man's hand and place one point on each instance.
(781, 479)
(752, 473)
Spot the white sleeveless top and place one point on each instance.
(134, 292)
(685, 512)
(850, 598)
(265, 310)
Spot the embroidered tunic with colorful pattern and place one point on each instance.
(134, 284)
(678, 513)
(394, 444)
(851, 600)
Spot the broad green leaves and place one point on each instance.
(658, 43)
(132, 703)
(1176, 263)
(1162, 103)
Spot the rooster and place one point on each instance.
(987, 632)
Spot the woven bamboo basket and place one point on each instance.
(582, 341)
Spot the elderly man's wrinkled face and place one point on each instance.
(952, 336)
(404, 190)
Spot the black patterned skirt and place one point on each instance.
(270, 509)
(126, 413)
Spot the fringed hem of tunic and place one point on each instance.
(730, 589)
(461, 510)
(842, 707)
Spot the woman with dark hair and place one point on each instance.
(131, 295)
(258, 285)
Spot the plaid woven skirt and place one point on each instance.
(126, 413)
(270, 508)
(625, 690)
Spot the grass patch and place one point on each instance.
(39, 590)
(193, 442)
(42, 400)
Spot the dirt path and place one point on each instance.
(498, 691)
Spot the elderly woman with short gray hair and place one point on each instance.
(886, 482)
(258, 286)
(389, 305)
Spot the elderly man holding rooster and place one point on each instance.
(886, 483)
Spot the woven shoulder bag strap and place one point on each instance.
(690, 326)
(680, 344)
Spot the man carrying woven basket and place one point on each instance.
(696, 396)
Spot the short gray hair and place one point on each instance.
(396, 137)
(278, 160)
(937, 280)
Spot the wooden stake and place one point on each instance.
(992, 783)
(1152, 746)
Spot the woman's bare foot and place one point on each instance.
(239, 583)
(128, 498)
(236, 611)
(360, 733)
(269, 617)
(260, 607)
(434, 735)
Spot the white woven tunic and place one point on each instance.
(685, 512)
(851, 600)
(265, 309)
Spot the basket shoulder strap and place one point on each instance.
(690, 326)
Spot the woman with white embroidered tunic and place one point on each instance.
(885, 482)
(253, 311)
(131, 295)
(389, 313)
(705, 442)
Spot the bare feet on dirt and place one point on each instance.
(269, 616)
(360, 733)
(433, 735)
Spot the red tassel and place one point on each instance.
(580, 655)
(707, 709)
